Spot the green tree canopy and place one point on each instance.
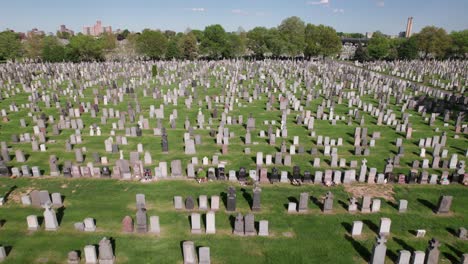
(84, 48)
(52, 50)
(459, 46)
(408, 49)
(379, 46)
(214, 42)
(433, 41)
(189, 46)
(321, 40)
(292, 32)
(33, 46)
(10, 45)
(152, 44)
(257, 39)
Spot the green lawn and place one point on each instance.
(308, 238)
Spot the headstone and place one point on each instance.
(379, 251)
(404, 257)
(357, 228)
(196, 223)
(263, 228)
(239, 225)
(188, 249)
(204, 255)
(304, 202)
(33, 223)
(210, 223)
(385, 224)
(50, 218)
(106, 254)
(154, 225)
(231, 199)
(432, 252)
(90, 254)
(127, 224)
(445, 202)
(328, 204)
(249, 228)
(403, 206)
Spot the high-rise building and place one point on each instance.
(409, 27)
(64, 29)
(97, 29)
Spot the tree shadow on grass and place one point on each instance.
(248, 197)
(232, 220)
(224, 198)
(454, 250)
(2, 222)
(60, 214)
(363, 251)
(451, 257)
(343, 204)
(347, 226)
(392, 204)
(452, 231)
(403, 244)
(12, 188)
(372, 226)
(427, 204)
(317, 202)
(393, 255)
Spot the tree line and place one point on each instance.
(291, 38)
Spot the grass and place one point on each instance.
(299, 238)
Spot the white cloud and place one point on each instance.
(239, 12)
(380, 3)
(338, 10)
(321, 2)
(198, 9)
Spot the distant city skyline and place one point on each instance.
(388, 16)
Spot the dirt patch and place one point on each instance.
(288, 234)
(378, 190)
(64, 186)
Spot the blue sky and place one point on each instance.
(388, 16)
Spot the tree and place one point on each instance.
(361, 54)
(321, 40)
(107, 41)
(459, 47)
(214, 42)
(52, 50)
(84, 48)
(408, 49)
(379, 46)
(173, 49)
(433, 41)
(63, 35)
(10, 45)
(33, 46)
(236, 47)
(257, 41)
(152, 44)
(275, 43)
(189, 46)
(292, 32)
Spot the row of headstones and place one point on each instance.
(39, 198)
(106, 254)
(190, 257)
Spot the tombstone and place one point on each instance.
(445, 202)
(303, 202)
(57, 199)
(189, 203)
(203, 202)
(418, 257)
(385, 224)
(127, 224)
(35, 198)
(231, 199)
(89, 225)
(188, 249)
(214, 202)
(328, 203)
(154, 225)
(239, 225)
(178, 202)
(366, 204)
(462, 233)
(204, 255)
(90, 254)
(263, 228)
(196, 223)
(50, 218)
(379, 251)
(26, 200)
(210, 223)
(357, 228)
(73, 258)
(292, 207)
(352, 205)
(404, 257)
(106, 254)
(176, 168)
(256, 198)
(249, 228)
(33, 223)
(376, 205)
(403, 206)
(141, 221)
(432, 252)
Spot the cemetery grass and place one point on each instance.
(313, 237)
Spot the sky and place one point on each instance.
(388, 16)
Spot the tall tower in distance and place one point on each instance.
(409, 27)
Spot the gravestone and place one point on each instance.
(188, 249)
(50, 218)
(231, 199)
(403, 206)
(366, 204)
(445, 202)
(328, 203)
(90, 254)
(106, 254)
(357, 228)
(189, 203)
(73, 257)
(33, 223)
(210, 223)
(196, 223)
(404, 257)
(239, 225)
(204, 255)
(379, 251)
(385, 224)
(303, 202)
(432, 252)
(178, 202)
(141, 221)
(154, 226)
(127, 224)
(263, 228)
(249, 228)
